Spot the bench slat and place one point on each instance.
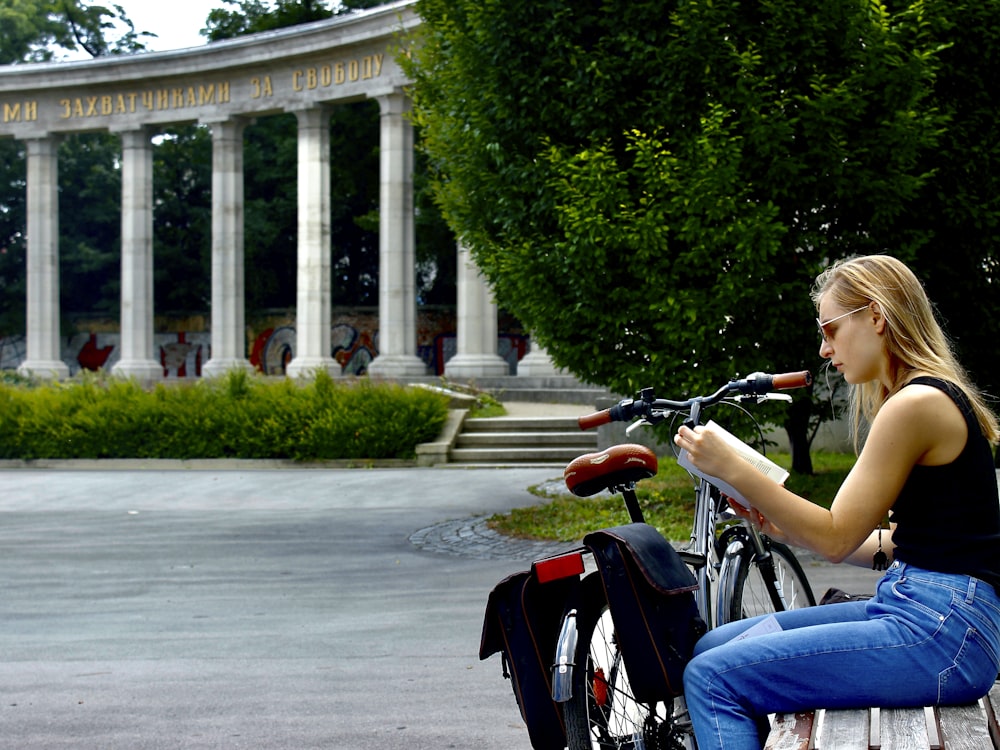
(904, 729)
(992, 703)
(791, 731)
(842, 729)
(965, 727)
(933, 728)
(972, 727)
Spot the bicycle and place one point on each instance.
(739, 573)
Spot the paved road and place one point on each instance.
(258, 609)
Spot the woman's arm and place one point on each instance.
(912, 425)
(864, 555)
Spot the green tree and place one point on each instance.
(13, 224)
(958, 210)
(42, 31)
(182, 169)
(651, 187)
(90, 223)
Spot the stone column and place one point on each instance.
(137, 358)
(313, 306)
(43, 357)
(536, 363)
(397, 279)
(228, 286)
(476, 326)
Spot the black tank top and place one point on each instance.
(948, 517)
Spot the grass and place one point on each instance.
(667, 501)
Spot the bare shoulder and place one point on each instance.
(928, 419)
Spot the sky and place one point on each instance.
(175, 22)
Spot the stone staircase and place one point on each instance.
(520, 441)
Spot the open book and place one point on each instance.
(758, 460)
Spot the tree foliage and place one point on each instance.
(651, 187)
(957, 212)
(32, 31)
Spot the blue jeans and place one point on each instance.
(925, 638)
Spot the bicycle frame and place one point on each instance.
(702, 555)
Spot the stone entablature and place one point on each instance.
(338, 60)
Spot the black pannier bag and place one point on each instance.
(522, 622)
(651, 597)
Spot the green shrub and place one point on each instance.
(237, 416)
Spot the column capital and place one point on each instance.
(394, 101)
(40, 139)
(135, 133)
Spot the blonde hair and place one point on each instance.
(914, 340)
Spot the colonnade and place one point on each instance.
(305, 70)
(476, 316)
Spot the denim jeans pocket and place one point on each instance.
(972, 674)
(926, 607)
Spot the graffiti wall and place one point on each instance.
(354, 344)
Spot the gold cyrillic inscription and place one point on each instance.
(261, 87)
(148, 100)
(335, 74)
(20, 111)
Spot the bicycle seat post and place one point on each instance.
(632, 503)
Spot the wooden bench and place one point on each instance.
(973, 727)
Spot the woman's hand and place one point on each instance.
(709, 452)
(757, 520)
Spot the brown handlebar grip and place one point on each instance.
(792, 380)
(590, 421)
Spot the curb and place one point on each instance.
(199, 464)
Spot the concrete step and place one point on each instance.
(523, 425)
(556, 457)
(476, 439)
(520, 441)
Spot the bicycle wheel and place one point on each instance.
(603, 714)
(749, 590)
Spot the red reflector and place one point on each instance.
(554, 568)
(600, 688)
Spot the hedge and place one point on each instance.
(236, 416)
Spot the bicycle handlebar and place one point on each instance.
(757, 384)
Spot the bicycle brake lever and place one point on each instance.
(635, 424)
(761, 397)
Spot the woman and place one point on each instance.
(931, 634)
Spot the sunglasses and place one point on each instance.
(823, 324)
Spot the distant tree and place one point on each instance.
(182, 168)
(43, 31)
(90, 223)
(13, 227)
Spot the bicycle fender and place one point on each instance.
(565, 659)
(726, 585)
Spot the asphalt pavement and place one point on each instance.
(245, 608)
